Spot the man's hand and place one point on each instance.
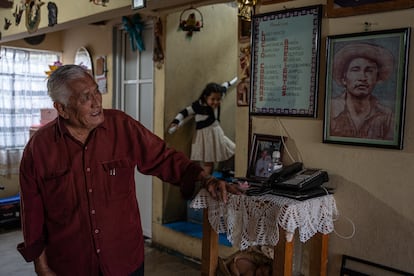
(219, 189)
(41, 267)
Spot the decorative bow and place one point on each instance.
(134, 28)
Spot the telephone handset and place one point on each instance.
(285, 173)
(295, 177)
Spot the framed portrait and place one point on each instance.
(138, 4)
(263, 147)
(285, 62)
(340, 8)
(366, 84)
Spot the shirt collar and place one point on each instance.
(61, 128)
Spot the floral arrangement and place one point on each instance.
(53, 67)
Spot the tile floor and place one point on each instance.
(158, 262)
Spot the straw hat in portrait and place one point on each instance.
(381, 56)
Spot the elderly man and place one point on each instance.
(80, 215)
(358, 67)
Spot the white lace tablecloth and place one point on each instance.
(254, 220)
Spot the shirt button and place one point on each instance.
(86, 148)
(93, 212)
(88, 169)
(98, 250)
(90, 190)
(96, 231)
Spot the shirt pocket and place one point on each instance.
(60, 197)
(119, 178)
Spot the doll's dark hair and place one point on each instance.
(212, 87)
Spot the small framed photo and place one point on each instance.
(263, 148)
(366, 80)
(138, 4)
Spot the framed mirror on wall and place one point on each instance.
(83, 58)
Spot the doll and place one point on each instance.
(209, 145)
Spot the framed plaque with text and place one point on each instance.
(285, 62)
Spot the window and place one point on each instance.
(23, 93)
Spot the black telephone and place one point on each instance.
(295, 177)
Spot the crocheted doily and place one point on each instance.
(254, 220)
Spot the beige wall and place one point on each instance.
(373, 186)
(68, 11)
(97, 40)
(209, 56)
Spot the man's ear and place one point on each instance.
(61, 109)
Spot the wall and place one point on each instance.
(373, 186)
(68, 12)
(93, 38)
(209, 56)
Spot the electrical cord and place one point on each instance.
(283, 128)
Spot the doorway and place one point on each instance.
(134, 94)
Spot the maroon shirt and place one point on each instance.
(78, 200)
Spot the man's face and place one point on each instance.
(361, 77)
(84, 110)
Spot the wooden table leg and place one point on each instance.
(283, 256)
(209, 253)
(319, 254)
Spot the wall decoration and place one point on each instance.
(6, 4)
(7, 23)
(246, 9)
(53, 67)
(134, 26)
(18, 13)
(244, 30)
(158, 56)
(191, 20)
(366, 88)
(245, 62)
(338, 8)
(100, 2)
(138, 4)
(83, 58)
(260, 158)
(243, 93)
(100, 74)
(52, 16)
(35, 40)
(32, 8)
(285, 62)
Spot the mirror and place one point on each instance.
(83, 58)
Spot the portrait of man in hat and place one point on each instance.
(358, 68)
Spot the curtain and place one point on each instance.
(23, 93)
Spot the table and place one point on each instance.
(267, 220)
